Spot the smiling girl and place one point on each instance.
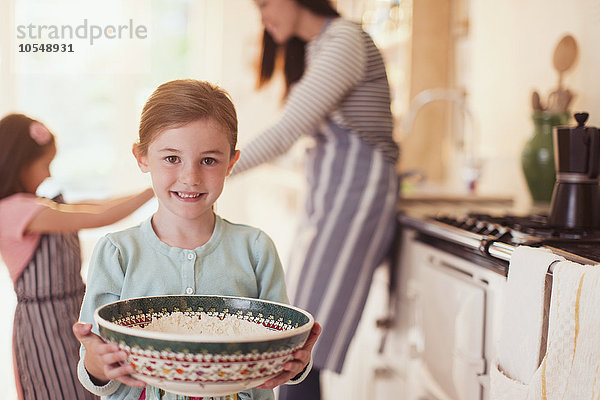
(188, 134)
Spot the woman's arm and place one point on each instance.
(57, 217)
(336, 66)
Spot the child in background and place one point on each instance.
(187, 140)
(40, 247)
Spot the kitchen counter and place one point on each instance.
(427, 204)
(452, 198)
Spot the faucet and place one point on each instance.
(472, 163)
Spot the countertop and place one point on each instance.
(428, 204)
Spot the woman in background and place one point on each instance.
(337, 93)
(40, 247)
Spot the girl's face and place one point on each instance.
(188, 166)
(35, 173)
(280, 18)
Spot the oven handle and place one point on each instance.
(501, 250)
(450, 233)
(415, 323)
(491, 247)
(504, 252)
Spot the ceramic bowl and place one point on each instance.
(196, 365)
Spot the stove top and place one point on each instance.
(533, 226)
(496, 236)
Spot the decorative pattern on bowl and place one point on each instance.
(204, 365)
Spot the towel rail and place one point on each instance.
(504, 252)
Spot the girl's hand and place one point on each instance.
(104, 361)
(300, 361)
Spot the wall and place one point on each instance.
(507, 55)
(427, 137)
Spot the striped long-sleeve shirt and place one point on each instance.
(344, 80)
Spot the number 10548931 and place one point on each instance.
(45, 48)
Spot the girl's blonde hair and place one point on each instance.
(179, 102)
(18, 149)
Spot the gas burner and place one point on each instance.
(534, 226)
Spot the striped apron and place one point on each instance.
(49, 295)
(346, 232)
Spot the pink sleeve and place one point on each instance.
(16, 247)
(16, 212)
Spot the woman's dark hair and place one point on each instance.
(18, 149)
(292, 51)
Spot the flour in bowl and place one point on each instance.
(207, 325)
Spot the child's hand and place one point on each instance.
(300, 361)
(103, 361)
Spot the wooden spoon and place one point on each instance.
(536, 102)
(565, 55)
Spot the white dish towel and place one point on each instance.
(522, 336)
(571, 366)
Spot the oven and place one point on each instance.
(447, 293)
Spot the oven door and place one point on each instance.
(451, 321)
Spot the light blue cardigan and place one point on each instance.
(238, 260)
